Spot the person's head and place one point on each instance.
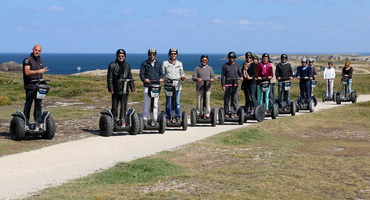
(204, 60)
(265, 58)
(255, 59)
(311, 61)
(172, 53)
(304, 61)
(152, 53)
(36, 50)
(231, 56)
(248, 57)
(283, 58)
(330, 64)
(347, 64)
(121, 54)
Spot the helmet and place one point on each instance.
(266, 55)
(284, 56)
(172, 50)
(152, 51)
(121, 51)
(304, 60)
(270, 60)
(248, 54)
(204, 56)
(330, 63)
(231, 54)
(255, 57)
(311, 60)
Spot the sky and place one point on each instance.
(191, 26)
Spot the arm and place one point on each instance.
(131, 83)
(195, 74)
(110, 79)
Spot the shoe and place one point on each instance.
(234, 116)
(123, 124)
(252, 113)
(37, 128)
(178, 120)
(41, 126)
(226, 116)
(152, 123)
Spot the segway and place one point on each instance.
(304, 106)
(107, 125)
(328, 98)
(19, 129)
(313, 85)
(202, 118)
(257, 113)
(170, 89)
(227, 117)
(153, 91)
(345, 96)
(273, 109)
(291, 108)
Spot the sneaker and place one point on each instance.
(37, 128)
(178, 120)
(152, 123)
(234, 116)
(41, 126)
(123, 124)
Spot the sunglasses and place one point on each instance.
(173, 53)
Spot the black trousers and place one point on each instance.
(37, 113)
(231, 91)
(122, 101)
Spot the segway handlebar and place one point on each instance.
(127, 80)
(40, 80)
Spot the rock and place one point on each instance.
(10, 66)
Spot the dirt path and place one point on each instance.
(27, 173)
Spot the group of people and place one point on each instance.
(251, 73)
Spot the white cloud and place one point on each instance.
(183, 12)
(217, 21)
(54, 8)
(243, 23)
(125, 12)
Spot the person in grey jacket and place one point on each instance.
(119, 69)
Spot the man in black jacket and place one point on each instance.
(283, 73)
(117, 70)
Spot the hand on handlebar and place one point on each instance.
(183, 78)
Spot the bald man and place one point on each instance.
(33, 69)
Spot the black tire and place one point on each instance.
(296, 105)
(314, 100)
(337, 99)
(221, 116)
(184, 120)
(162, 123)
(50, 129)
(193, 117)
(311, 105)
(213, 117)
(323, 97)
(241, 115)
(106, 125)
(135, 124)
(293, 108)
(353, 97)
(259, 113)
(141, 123)
(17, 129)
(275, 111)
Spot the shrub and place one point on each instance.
(5, 101)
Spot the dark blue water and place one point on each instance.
(68, 63)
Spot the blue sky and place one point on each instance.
(192, 26)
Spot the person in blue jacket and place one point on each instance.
(304, 74)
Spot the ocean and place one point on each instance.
(63, 63)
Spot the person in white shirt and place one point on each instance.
(329, 76)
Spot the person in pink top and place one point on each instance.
(263, 73)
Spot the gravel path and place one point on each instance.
(25, 174)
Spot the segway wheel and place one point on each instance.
(241, 115)
(213, 116)
(337, 98)
(17, 129)
(353, 97)
(314, 100)
(106, 125)
(311, 105)
(293, 108)
(296, 105)
(141, 123)
(162, 123)
(275, 111)
(135, 124)
(50, 129)
(259, 113)
(184, 120)
(221, 116)
(193, 117)
(323, 97)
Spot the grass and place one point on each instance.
(322, 155)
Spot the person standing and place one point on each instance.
(119, 69)
(150, 70)
(231, 70)
(173, 70)
(347, 72)
(263, 73)
(249, 82)
(33, 69)
(203, 72)
(329, 76)
(304, 74)
(283, 73)
(272, 94)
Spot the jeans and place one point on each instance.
(272, 95)
(177, 106)
(146, 107)
(281, 90)
(37, 113)
(305, 89)
(231, 91)
(260, 94)
(349, 87)
(116, 101)
(250, 93)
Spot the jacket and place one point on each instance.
(284, 71)
(173, 71)
(329, 73)
(115, 72)
(153, 73)
(35, 63)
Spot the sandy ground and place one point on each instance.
(25, 174)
